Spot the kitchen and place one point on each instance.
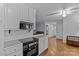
(20, 37)
(39, 29)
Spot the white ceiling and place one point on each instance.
(45, 8)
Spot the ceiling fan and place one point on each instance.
(64, 12)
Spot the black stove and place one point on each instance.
(30, 48)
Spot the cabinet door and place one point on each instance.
(40, 45)
(14, 50)
(34, 19)
(46, 43)
(23, 12)
(1, 12)
(31, 14)
(11, 16)
(19, 53)
(12, 54)
(43, 44)
(1, 28)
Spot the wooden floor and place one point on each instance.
(57, 48)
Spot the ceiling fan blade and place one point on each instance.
(55, 13)
(72, 11)
(75, 8)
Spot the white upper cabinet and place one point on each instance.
(1, 11)
(34, 19)
(16, 12)
(28, 14)
(31, 14)
(11, 16)
(1, 28)
(24, 13)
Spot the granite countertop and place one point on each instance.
(14, 42)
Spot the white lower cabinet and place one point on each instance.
(40, 45)
(43, 44)
(12, 54)
(16, 50)
(19, 54)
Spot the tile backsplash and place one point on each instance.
(17, 34)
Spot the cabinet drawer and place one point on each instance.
(12, 54)
(9, 50)
(19, 47)
(19, 53)
(13, 49)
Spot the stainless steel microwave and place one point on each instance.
(26, 25)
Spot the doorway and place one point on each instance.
(51, 29)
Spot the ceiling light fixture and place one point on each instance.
(64, 13)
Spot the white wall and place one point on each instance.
(40, 26)
(70, 26)
(59, 29)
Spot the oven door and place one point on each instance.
(32, 52)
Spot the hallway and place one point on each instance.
(58, 48)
